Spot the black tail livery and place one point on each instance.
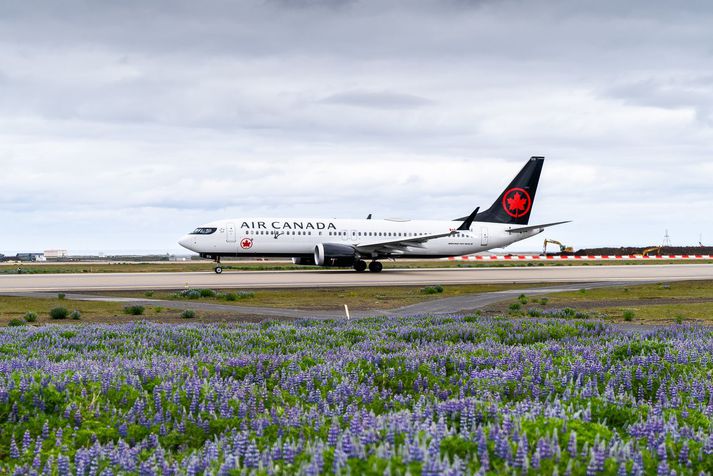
(514, 205)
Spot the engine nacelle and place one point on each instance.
(335, 254)
(304, 260)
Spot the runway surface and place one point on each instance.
(342, 278)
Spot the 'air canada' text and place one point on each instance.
(287, 225)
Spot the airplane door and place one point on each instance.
(230, 233)
(483, 236)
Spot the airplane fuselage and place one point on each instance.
(298, 237)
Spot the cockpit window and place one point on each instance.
(203, 231)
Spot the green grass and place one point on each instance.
(358, 298)
(675, 302)
(676, 290)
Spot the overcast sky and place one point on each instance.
(124, 125)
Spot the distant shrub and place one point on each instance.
(60, 296)
(569, 312)
(15, 322)
(75, 315)
(629, 315)
(189, 294)
(188, 314)
(30, 316)
(207, 292)
(231, 297)
(544, 301)
(515, 306)
(59, 313)
(522, 298)
(534, 313)
(134, 310)
(432, 289)
(582, 291)
(157, 309)
(679, 319)
(148, 293)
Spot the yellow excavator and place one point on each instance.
(657, 249)
(563, 248)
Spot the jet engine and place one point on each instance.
(335, 254)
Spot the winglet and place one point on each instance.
(465, 226)
(369, 217)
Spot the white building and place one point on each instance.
(55, 254)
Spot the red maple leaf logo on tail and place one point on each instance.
(516, 202)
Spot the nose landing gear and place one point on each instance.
(218, 268)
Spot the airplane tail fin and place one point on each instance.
(514, 205)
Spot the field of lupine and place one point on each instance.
(447, 395)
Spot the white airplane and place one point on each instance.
(350, 242)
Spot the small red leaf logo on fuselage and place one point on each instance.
(517, 202)
(246, 243)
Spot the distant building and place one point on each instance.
(55, 254)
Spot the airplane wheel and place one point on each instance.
(375, 267)
(218, 269)
(360, 266)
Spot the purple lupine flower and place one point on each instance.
(288, 453)
(592, 466)
(62, 465)
(26, 441)
(58, 437)
(14, 451)
(572, 445)
(521, 455)
(661, 452)
(683, 454)
(536, 459)
(252, 455)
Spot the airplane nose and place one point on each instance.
(187, 242)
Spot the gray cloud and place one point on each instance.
(377, 100)
(692, 93)
(175, 113)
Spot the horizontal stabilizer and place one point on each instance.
(525, 229)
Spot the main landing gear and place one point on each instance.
(374, 266)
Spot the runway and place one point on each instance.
(345, 278)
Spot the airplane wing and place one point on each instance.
(524, 229)
(400, 245)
